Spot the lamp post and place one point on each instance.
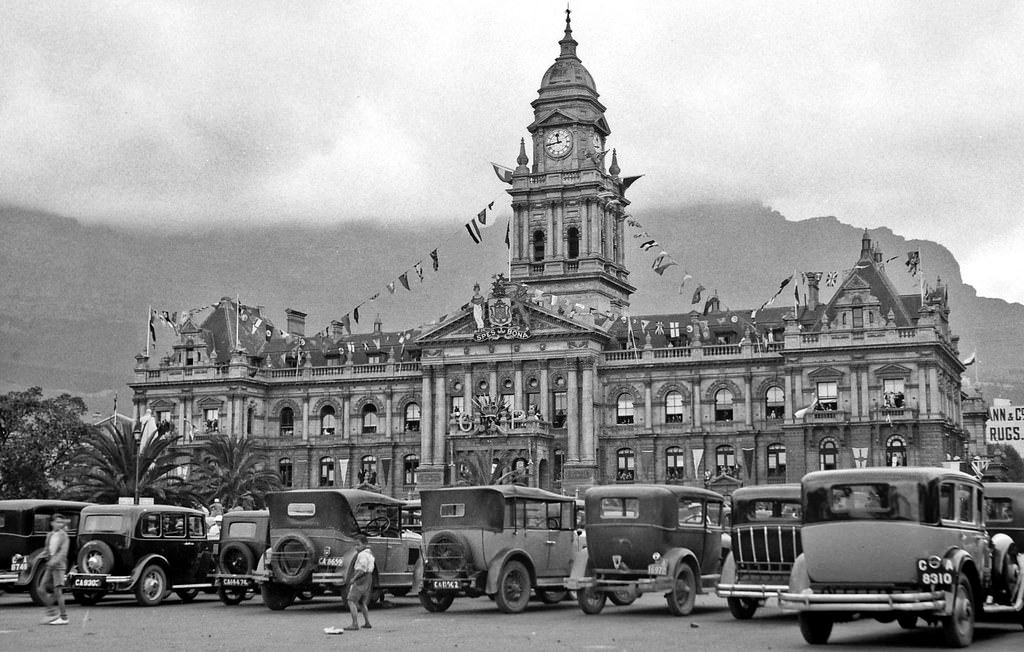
(138, 445)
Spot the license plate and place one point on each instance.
(20, 566)
(445, 584)
(657, 569)
(89, 582)
(236, 581)
(941, 577)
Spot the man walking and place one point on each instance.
(57, 542)
(361, 586)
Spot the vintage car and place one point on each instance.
(503, 541)
(313, 544)
(900, 544)
(244, 537)
(1004, 510)
(643, 538)
(765, 542)
(146, 549)
(412, 519)
(23, 527)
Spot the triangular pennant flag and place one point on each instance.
(473, 227)
(696, 294)
(355, 314)
(419, 271)
(504, 173)
(404, 280)
(347, 323)
(433, 259)
(391, 287)
(483, 218)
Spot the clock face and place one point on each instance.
(558, 143)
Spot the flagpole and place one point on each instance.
(238, 309)
(920, 278)
(149, 326)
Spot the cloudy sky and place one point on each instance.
(193, 114)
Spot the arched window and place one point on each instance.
(675, 464)
(559, 456)
(828, 454)
(410, 465)
(895, 451)
(250, 419)
(774, 403)
(723, 405)
(370, 418)
(725, 460)
(412, 417)
(573, 236)
(776, 462)
(368, 469)
(624, 409)
(538, 245)
(519, 466)
(673, 407)
(287, 422)
(327, 420)
(284, 470)
(625, 465)
(326, 472)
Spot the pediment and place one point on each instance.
(463, 328)
(826, 373)
(892, 371)
(560, 116)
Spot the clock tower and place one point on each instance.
(568, 209)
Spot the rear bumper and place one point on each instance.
(640, 584)
(915, 601)
(747, 590)
(91, 582)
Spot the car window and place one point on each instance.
(41, 523)
(620, 508)
(769, 509)
(3, 520)
(998, 509)
(965, 503)
(946, 504)
(691, 513)
(103, 523)
(891, 501)
(381, 515)
(453, 510)
(196, 526)
(301, 509)
(242, 530)
(151, 525)
(536, 514)
(174, 525)
(714, 513)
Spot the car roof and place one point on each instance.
(787, 490)
(140, 509)
(1004, 489)
(35, 503)
(883, 473)
(639, 490)
(350, 495)
(246, 513)
(508, 490)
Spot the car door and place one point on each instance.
(559, 540)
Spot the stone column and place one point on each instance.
(520, 399)
(748, 402)
(426, 418)
(545, 400)
(648, 405)
(305, 418)
(492, 381)
(388, 416)
(346, 416)
(572, 415)
(695, 393)
(588, 435)
(549, 243)
(441, 420)
(934, 406)
(468, 391)
(855, 401)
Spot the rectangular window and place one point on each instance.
(536, 515)
(242, 530)
(151, 525)
(560, 401)
(892, 393)
(453, 510)
(828, 396)
(211, 416)
(691, 513)
(965, 503)
(458, 404)
(998, 509)
(946, 504)
(103, 523)
(197, 527)
(174, 525)
(301, 510)
(620, 507)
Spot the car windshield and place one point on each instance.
(998, 509)
(770, 509)
(890, 501)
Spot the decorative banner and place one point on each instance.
(860, 457)
(748, 462)
(698, 455)
(342, 472)
(385, 465)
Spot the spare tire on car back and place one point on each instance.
(96, 557)
(294, 559)
(236, 559)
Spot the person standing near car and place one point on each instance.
(57, 543)
(361, 586)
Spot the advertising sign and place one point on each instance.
(1005, 426)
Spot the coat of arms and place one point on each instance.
(499, 311)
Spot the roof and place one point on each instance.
(36, 503)
(507, 490)
(652, 490)
(246, 514)
(886, 473)
(1004, 489)
(767, 491)
(141, 509)
(350, 495)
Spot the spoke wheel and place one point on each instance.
(591, 601)
(684, 591)
(958, 627)
(552, 596)
(187, 595)
(276, 596)
(436, 602)
(230, 595)
(623, 597)
(513, 588)
(152, 586)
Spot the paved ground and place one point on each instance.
(471, 624)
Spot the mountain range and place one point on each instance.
(75, 297)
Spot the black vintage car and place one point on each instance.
(23, 527)
(765, 542)
(313, 544)
(1004, 510)
(244, 538)
(641, 538)
(146, 549)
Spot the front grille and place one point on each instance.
(767, 548)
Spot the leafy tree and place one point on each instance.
(105, 468)
(37, 439)
(1013, 463)
(233, 470)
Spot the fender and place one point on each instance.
(799, 580)
(34, 559)
(1001, 549)
(675, 556)
(142, 563)
(728, 571)
(580, 562)
(499, 561)
(959, 559)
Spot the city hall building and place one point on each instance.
(562, 396)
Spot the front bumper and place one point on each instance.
(911, 601)
(94, 582)
(749, 590)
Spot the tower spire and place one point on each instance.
(568, 43)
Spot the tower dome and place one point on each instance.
(566, 76)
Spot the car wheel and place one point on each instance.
(38, 588)
(88, 598)
(684, 591)
(400, 592)
(513, 588)
(236, 559)
(591, 601)
(815, 627)
(151, 586)
(958, 627)
(95, 557)
(304, 596)
(187, 595)
(623, 597)
(742, 608)
(276, 596)
(436, 602)
(552, 596)
(294, 559)
(230, 595)
(907, 621)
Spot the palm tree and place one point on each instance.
(234, 471)
(109, 464)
